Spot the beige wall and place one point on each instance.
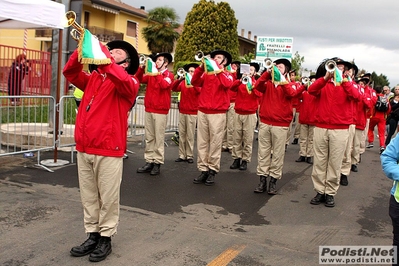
(16, 38)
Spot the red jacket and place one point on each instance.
(158, 92)
(111, 90)
(335, 103)
(246, 103)
(276, 102)
(214, 97)
(369, 100)
(188, 97)
(308, 109)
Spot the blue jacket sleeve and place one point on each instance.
(389, 160)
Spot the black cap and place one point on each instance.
(255, 65)
(133, 55)
(284, 61)
(222, 52)
(168, 56)
(187, 67)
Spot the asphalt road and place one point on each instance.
(168, 220)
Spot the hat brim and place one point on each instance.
(165, 55)
(255, 65)
(133, 55)
(224, 53)
(285, 62)
(188, 66)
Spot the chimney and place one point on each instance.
(142, 7)
(255, 38)
(249, 35)
(242, 32)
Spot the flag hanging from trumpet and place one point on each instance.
(187, 80)
(277, 77)
(91, 51)
(150, 68)
(337, 77)
(249, 85)
(211, 67)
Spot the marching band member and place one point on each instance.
(295, 110)
(100, 135)
(366, 79)
(245, 119)
(213, 103)
(334, 114)
(157, 105)
(188, 109)
(275, 117)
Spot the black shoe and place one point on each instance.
(272, 186)
(344, 180)
(301, 159)
(211, 178)
(295, 141)
(243, 165)
(382, 149)
(319, 198)
(146, 168)
(87, 247)
(329, 201)
(156, 170)
(190, 160)
(178, 160)
(201, 178)
(235, 164)
(360, 158)
(309, 160)
(262, 185)
(354, 168)
(102, 250)
(125, 156)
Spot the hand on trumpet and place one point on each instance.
(329, 75)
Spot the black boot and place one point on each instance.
(201, 178)
(295, 141)
(309, 160)
(146, 168)
(272, 186)
(236, 164)
(329, 201)
(344, 180)
(354, 168)
(211, 178)
(102, 250)
(262, 185)
(156, 170)
(243, 165)
(301, 159)
(87, 247)
(319, 198)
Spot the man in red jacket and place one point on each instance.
(275, 114)
(213, 104)
(188, 109)
(100, 136)
(157, 105)
(333, 117)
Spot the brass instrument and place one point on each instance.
(330, 65)
(142, 59)
(245, 79)
(305, 80)
(77, 30)
(268, 63)
(181, 72)
(199, 55)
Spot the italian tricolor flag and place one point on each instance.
(150, 68)
(91, 51)
(211, 67)
(187, 79)
(337, 77)
(277, 77)
(249, 85)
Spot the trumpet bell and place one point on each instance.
(245, 80)
(330, 65)
(142, 59)
(268, 63)
(181, 72)
(305, 80)
(199, 56)
(77, 30)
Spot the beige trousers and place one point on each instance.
(243, 136)
(154, 137)
(329, 147)
(271, 138)
(99, 183)
(347, 160)
(229, 128)
(306, 140)
(209, 140)
(364, 137)
(187, 125)
(355, 156)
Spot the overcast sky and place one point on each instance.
(366, 31)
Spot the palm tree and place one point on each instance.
(161, 34)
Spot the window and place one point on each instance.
(131, 29)
(86, 20)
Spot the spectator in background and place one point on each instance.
(387, 92)
(17, 73)
(393, 117)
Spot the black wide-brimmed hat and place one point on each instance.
(133, 55)
(187, 67)
(236, 62)
(355, 69)
(222, 52)
(255, 65)
(340, 61)
(168, 56)
(285, 62)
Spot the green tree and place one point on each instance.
(296, 61)
(379, 80)
(208, 26)
(161, 34)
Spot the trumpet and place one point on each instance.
(142, 59)
(181, 72)
(330, 65)
(305, 80)
(199, 55)
(245, 79)
(268, 63)
(71, 21)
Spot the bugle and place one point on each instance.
(305, 80)
(245, 79)
(77, 30)
(142, 59)
(330, 65)
(199, 55)
(181, 72)
(268, 63)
